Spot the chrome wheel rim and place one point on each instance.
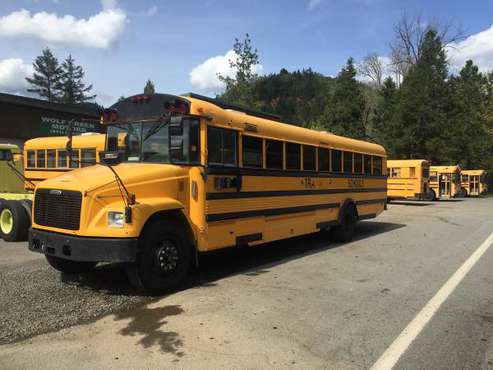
(167, 257)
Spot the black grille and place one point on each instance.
(57, 208)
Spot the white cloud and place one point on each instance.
(13, 73)
(313, 3)
(99, 31)
(477, 47)
(152, 11)
(204, 76)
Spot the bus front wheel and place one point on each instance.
(163, 259)
(344, 232)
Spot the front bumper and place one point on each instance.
(77, 248)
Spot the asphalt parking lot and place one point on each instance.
(301, 303)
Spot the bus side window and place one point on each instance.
(51, 158)
(221, 146)
(348, 162)
(309, 158)
(412, 172)
(62, 158)
(358, 163)
(323, 159)
(336, 161)
(273, 152)
(377, 165)
(395, 172)
(88, 157)
(293, 156)
(74, 161)
(367, 164)
(41, 158)
(252, 151)
(31, 159)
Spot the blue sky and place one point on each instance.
(122, 43)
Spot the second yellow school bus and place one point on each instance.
(445, 181)
(190, 174)
(47, 157)
(473, 182)
(409, 179)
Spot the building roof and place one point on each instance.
(89, 109)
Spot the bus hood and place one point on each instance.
(98, 176)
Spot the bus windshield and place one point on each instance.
(150, 142)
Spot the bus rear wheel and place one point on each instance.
(69, 267)
(344, 232)
(14, 221)
(163, 259)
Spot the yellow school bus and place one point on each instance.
(47, 157)
(445, 181)
(408, 179)
(473, 182)
(42, 158)
(189, 174)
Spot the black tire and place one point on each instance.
(70, 267)
(163, 259)
(433, 195)
(344, 232)
(17, 229)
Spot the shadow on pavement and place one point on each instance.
(147, 323)
(251, 261)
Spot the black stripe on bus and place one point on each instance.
(51, 169)
(282, 193)
(231, 171)
(268, 212)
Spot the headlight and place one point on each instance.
(115, 219)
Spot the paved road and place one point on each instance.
(302, 303)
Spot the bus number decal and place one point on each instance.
(308, 183)
(356, 183)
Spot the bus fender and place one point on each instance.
(172, 209)
(347, 203)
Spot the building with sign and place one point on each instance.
(23, 118)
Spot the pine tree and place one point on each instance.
(345, 107)
(385, 126)
(46, 76)
(149, 88)
(467, 132)
(72, 88)
(239, 89)
(423, 102)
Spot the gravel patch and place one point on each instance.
(35, 298)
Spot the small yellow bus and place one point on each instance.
(47, 157)
(43, 158)
(473, 182)
(409, 179)
(445, 181)
(189, 174)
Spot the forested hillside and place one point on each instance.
(421, 110)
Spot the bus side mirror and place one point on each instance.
(110, 158)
